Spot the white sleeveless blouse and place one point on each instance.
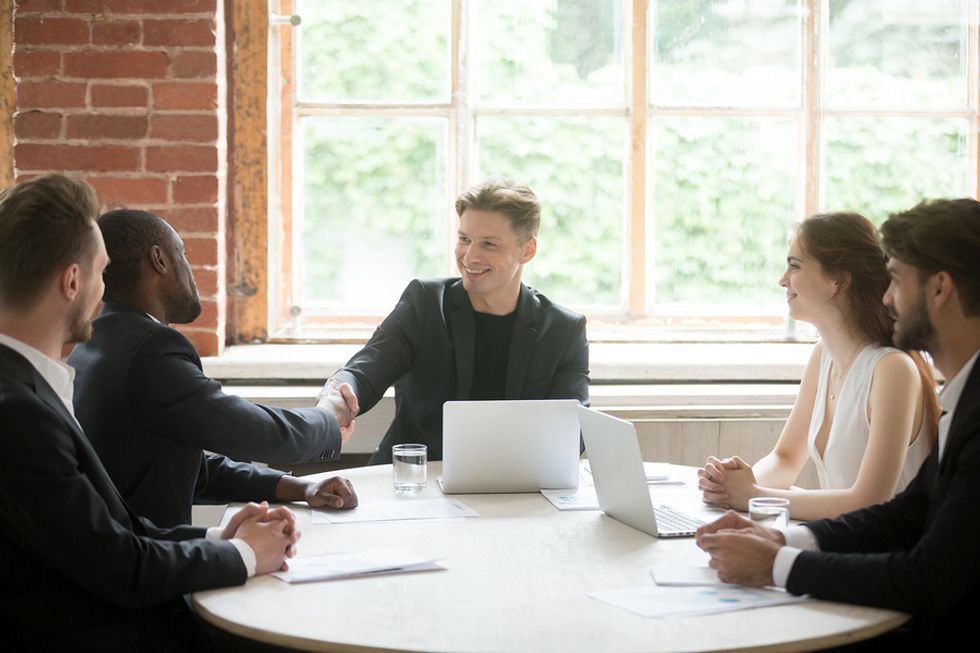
(849, 431)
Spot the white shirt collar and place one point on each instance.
(948, 398)
(59, 376)
(952, 390)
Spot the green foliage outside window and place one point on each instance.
(723, 192)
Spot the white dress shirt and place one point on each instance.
(61, 378)
(800, 538)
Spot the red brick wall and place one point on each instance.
(129, 95)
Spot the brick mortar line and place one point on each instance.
(136, 141)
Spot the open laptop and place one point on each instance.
(621, 483)
(509, 446)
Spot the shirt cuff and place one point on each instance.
(800, 537)
(213, 533)
(783, 564)
(248, 555)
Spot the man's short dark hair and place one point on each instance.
(45, 226)
(129, 234)
(940, 235)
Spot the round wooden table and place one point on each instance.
(518, 579)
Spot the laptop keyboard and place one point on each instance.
(672, 521)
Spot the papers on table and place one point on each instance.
(398, 509)
(582, 498)
(659, 601)
(686, 577)
(656, 473)
(350, 565)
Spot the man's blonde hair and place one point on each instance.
(502, 195)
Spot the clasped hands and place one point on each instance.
(342, 402)
(270, 532)
(727, 483)
(741, 551)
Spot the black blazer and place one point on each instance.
(425, 347)
(917, 553)
(149, 411)
(79, 568)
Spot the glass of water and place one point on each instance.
(408, 467)
(771, 512)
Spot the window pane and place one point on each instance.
(374, 207)
(725, 52)
(881, 165)
(374, 50)
(575, 166)
(903, 52)
(561, 51)
(723, 206)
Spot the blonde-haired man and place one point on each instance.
(482, 335)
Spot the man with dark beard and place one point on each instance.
(150, 411)
(916, 553)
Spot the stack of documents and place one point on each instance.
(688, 591)
(397, 510)
(352, 565)
(584, 498)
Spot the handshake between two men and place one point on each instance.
(342, 402)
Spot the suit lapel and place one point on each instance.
(461, 323)
(87, 457)
(522, 340)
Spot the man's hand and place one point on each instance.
(741, 551)
(728, 483)
(272, 540)
(741, 557)
(342, 402)
(259, 511)
(333, 492)
(265, 530)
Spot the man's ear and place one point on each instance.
(940, 289)
(71, 282)
(159, 260)
(529, 249)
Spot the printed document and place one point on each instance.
(659, 601)
(349, 565)
(395, 510)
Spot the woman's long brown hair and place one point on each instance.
(847, 247)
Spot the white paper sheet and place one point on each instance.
(686, 577)
(582, 498)
(349, 565)
(396, 510)
(658, 601)
(656, 473)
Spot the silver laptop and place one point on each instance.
(509, 446)
(621, 483)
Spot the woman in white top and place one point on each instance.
(866, 413)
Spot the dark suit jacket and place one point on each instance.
(425, 347)
(149, 410)
(79, 568)
(918, 552)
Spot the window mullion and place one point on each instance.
(814, 56)
(637, 97)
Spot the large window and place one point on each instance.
(673, 143)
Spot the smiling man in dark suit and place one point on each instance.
(151, 412)
(80, 570)
(918, 552)
(484, 335)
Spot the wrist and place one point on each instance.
(290, 488)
